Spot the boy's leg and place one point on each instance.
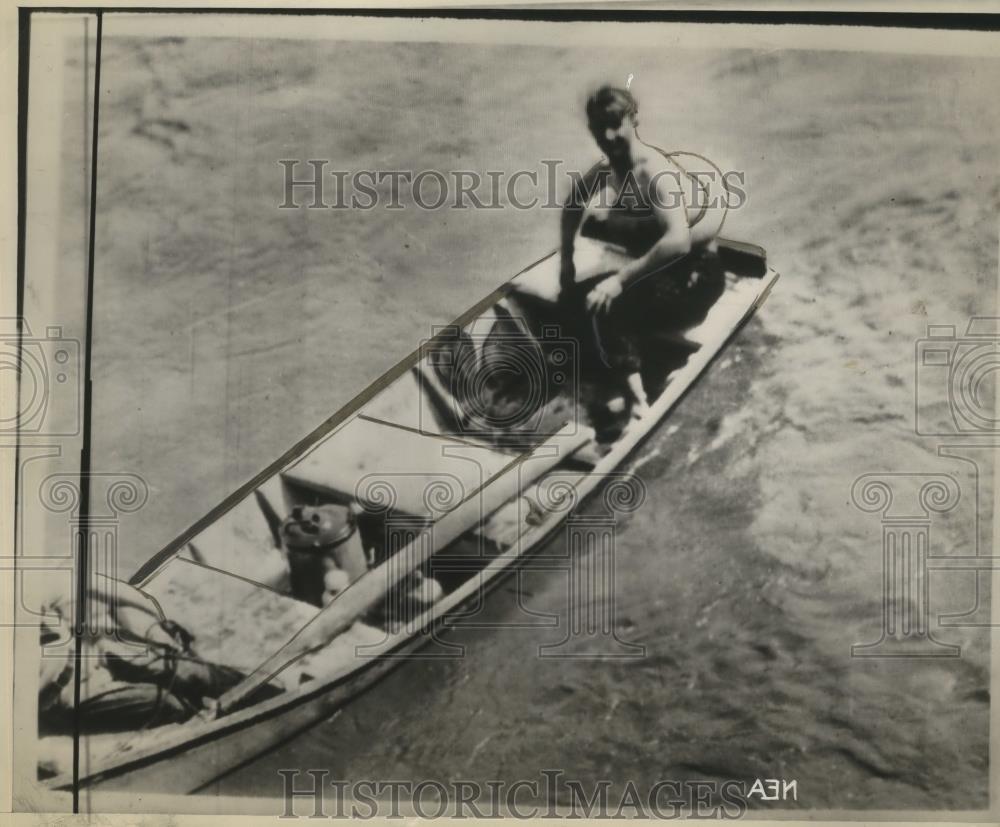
(640, 404)
(620, 350)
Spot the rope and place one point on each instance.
(671, 156)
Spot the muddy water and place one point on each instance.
(230, 328)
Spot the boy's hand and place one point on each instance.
(599, 299)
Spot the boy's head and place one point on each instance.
(612, 115)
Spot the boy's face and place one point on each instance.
(612, 129)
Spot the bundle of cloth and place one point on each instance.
(138, 669)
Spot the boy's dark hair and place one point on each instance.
(608, 96)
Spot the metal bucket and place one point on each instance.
(317, 540)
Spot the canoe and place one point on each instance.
(446, 483)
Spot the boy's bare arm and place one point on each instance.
(670, 211)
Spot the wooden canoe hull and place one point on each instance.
(184, 758)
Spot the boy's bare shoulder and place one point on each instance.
(598, 173)
(659, 168)
(661, 177)
(586, 185)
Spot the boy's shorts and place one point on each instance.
(677, 299)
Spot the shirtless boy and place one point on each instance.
(641, 206)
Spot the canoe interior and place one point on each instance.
(401, 462)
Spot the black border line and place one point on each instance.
(83, 537)
(971, 21)
(23, 62)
